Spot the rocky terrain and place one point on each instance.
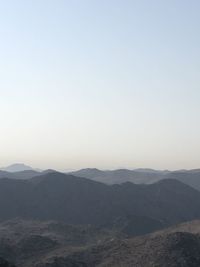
(53, 244)
(27, 242)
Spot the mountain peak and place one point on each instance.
(17, 167)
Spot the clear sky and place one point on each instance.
(107, 84)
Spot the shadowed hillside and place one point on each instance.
(82, 201)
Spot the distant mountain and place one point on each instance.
(137, 176)
(27, 174)
(17, 167)
(140, 176)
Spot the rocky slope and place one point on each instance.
(52, 244)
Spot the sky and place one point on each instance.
(106, 84)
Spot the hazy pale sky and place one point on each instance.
(107, 84)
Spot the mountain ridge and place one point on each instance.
(77, 200)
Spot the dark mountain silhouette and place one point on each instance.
(78, 200)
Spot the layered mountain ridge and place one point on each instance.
(78, 200)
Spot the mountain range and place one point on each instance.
(77, 200)
(140, 176)
(54, 219)
(110, 177)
